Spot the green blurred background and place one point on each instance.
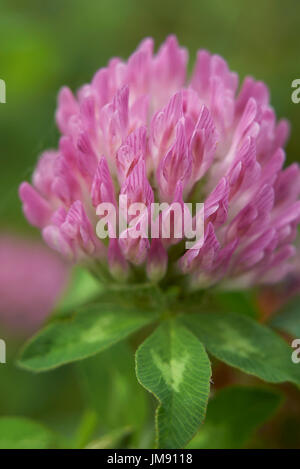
(47, 44)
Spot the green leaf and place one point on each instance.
(110, 440)
(110, 387)
(86, 429)
(21, 433)
(90, 330)
(173, 365)
(288, 318)
(233, 415)
(245, 344)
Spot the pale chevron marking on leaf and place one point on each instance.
(172, 373)
(240, 345)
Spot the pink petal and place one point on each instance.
(36, 209)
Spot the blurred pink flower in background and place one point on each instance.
(32, 278)
(142, 130)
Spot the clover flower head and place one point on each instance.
(143, 130)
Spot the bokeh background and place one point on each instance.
(45, 44)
